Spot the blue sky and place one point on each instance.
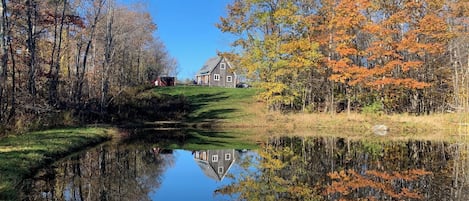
(187, 28)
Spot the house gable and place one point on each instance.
(217, 71)
(215, 164)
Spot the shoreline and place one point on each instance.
(23, 155)
(224, 110)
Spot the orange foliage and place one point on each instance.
(345, 182)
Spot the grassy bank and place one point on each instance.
(22, 155)
(220, 107)
(238, 109)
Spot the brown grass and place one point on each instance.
(448, 127)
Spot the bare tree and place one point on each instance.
(32, 15)
(56, 53)
(3, 58)
(82, 64)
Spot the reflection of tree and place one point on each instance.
(278, 178)
(460, 176)
(335, 168)
(383, 185)
(105, 173)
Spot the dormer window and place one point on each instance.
(222, 66)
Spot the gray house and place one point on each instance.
(217, 71)
(215, 163)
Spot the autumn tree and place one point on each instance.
(59, 16)
(275, 49)
(457, 16)
(360, 52)
(74, 55)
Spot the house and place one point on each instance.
(165, 81)
(215, 163)
(217, 71)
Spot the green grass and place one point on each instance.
(216, 114)
(22, 155)
(213, 103)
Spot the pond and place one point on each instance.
(286, 168)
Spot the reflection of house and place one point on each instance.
(215, 163)
(217, 71)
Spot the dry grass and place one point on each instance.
(449, 127)
(229, 109)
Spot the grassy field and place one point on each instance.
(215, 105)
(238, 109)
(22, 155)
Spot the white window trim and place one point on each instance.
(227, 157)
(221, 170)
(216, 77)
(222, 66)
(215, 158)
(229, 78)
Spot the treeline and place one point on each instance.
(396, 56)
(75, 55)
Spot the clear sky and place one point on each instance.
(187, 28)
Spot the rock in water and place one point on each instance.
(380, 130)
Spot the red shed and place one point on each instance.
(165, 81)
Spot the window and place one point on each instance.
(227, 157)
(229, 79)
(215, 158)
(216, 77)
(222, 66)
(220, 170)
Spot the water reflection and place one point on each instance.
(340, 169)
(215, 163)
(281, 169)
(117, 173)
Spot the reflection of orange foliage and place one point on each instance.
(347, 181)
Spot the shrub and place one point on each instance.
(374, 108)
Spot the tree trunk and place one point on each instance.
(81, 72)
(55, 60)
(31, 8)
(3, 57)
(107, 58)
(13, 81)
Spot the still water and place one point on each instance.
(279, 169)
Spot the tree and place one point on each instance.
(86, 40)
(59, 21)
(73, 55)
(3, 60)
(275, 49)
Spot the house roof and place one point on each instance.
(209, 65)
